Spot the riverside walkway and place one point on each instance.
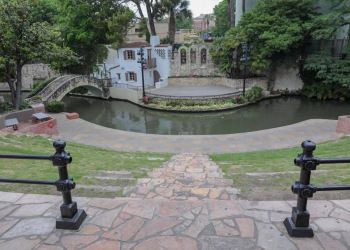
(81, 131)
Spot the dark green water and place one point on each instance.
(263, 115)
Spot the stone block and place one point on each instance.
(343, 125)
(72, 116)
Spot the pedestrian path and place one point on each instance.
(185, 177)
(27, 222)
(80, 131)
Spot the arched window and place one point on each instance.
(193, 56)
(183, 56)
(203, 56)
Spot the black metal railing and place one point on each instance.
(298, 225)
(71, 217)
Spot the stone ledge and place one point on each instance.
(343, 125)
(72, 116)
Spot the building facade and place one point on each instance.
(123, 67)
(204, 22)
(133, 33)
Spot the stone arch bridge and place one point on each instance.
(60, 87)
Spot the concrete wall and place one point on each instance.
(23, 115)
(233, 83)
(126, 94)
(288, 79)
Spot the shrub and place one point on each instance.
(24, 105)
(80, 90)
(36, 99)
(36, 85)
(56, 107)
(40, 87)
(253, 94)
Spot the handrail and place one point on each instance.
(298, 224)
(71, 217)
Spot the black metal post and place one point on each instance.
(71, 217)
(143, 78)
(245, 60)
(298, 224)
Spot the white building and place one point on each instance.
(123, 67)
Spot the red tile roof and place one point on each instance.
(136, 45)
(163, 45)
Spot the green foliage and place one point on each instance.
(119, 26)
(183, 23)
(56, 107)
(222, 53)
(222, 19)
(36, 85)
(253, 94)
(40, 86)
(80, 90)
(36, 99)
(24, 105)
(165, 40)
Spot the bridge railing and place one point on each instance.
(299, 224)
(129, 86)
(71, 217)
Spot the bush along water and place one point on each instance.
(37, 87)
(56, 107)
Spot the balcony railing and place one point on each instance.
(150, 63)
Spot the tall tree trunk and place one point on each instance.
(172, 28)
(272, 76)
(10, 82)
(232, 12)
(18, 84)
(138, 5)
(150, 18)
(243, 6)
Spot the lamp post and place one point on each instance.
(142, 62)
(104, 66)
(245, 60)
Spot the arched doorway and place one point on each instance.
(156, 76)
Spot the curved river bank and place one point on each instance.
(265, 114)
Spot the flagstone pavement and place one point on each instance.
(81, 131)
(27, 221)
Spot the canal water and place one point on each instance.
(265, 114)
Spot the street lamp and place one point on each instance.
(142, 62)
(104, 66)
(245, 60)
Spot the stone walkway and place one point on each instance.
(81, 131)
(28, 222)
(185, 177)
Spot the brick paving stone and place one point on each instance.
(87, 229)
(39, 198)
(144, 209)
(197, 226)
(9, 197)
(168, 243)
(6, 225)
(165, 192)
(125, 216)
(104, 245)
(38, 226)
(106, 219)
(280, 206)
(105, 203)
(332, 224)
(330, 243)
(73, 242)
(19, 244)
(221, 209)
(126, 231)
(200, 191)
(223, 230)
(31, 210)
(176, 208)
(224, 243)
(155, 226)
(4, 212)
(229, 222)
(127, 246)
(271, 238)
(246, 227)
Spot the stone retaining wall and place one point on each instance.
(233, 83)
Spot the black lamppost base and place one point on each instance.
(298, 232)
(71, 223)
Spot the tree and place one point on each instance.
(222, 19)
(87, 26)
(328, 75)
(24, 38)
(184, 23)
(177, 9)
(275, 30)
(155, 11)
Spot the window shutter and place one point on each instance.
(135, 76)
(125, 58)
(126, 76)
(133, 55)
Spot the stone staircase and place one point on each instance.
(185, 177)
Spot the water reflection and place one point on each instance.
(263, 115)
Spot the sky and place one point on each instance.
(202, 6)
(197, 6)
